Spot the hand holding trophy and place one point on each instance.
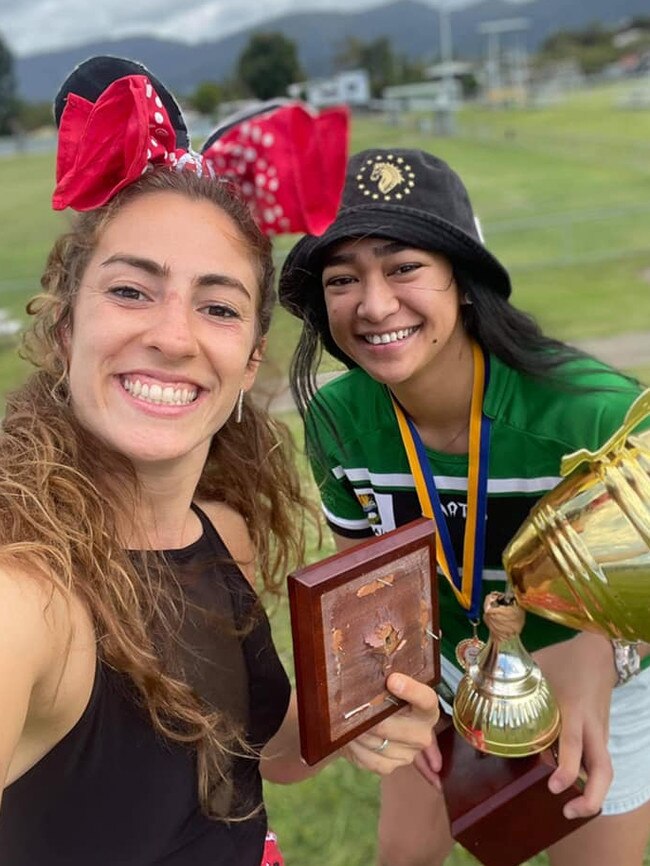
(582, 558)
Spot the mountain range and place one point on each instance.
(411, 26)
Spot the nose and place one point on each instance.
(172, 331)
(378, 300)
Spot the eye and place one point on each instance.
(406, 268)
(337, 281)
(220, 311)
(127, 293)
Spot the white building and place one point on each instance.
(351, 87)
(422, 96)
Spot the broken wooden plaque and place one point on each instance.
(357, 617)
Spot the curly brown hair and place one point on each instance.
(59, 514)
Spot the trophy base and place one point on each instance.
(500, 809)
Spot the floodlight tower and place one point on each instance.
(494, 30)
(445, 112)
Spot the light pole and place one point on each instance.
(446, 104)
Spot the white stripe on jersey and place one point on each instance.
(343, 522)
(449, 482)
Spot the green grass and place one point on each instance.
(28, 224)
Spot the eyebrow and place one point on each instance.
(157, 270)
(380, 251)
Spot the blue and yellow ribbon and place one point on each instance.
(467, 588)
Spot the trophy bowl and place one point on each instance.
(582, 557)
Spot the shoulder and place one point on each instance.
(34, 614)
(354, 383)
(35, 635)
(234, 533)
(347, 406)
(582, 410)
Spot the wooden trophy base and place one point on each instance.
(500, 809)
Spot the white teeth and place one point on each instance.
(390, 337)
(154, 393)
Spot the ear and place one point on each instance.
(256, 358)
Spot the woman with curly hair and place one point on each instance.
(141, 494)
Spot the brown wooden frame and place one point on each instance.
(500, 809)
(356, 617)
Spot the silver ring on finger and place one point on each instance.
(381, 746)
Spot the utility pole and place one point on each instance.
(445, 113)
(494, 30)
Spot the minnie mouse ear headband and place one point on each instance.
(288, 162)
(117, 121)
(404, 195)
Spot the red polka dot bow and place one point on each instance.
(106, 145)
(287, 160)
(289, 163)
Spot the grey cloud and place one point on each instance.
(30, 26)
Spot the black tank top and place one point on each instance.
(112, 792)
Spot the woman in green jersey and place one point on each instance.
(402, 289)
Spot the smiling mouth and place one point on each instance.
(165, 395)
(390, 336)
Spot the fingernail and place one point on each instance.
(570, 812)
(555, 786)
(397, 684)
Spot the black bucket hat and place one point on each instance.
(403, 195)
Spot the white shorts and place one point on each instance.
(629, 741)
(629, 746)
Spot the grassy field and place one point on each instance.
(563, 194)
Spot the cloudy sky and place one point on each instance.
(30, 26)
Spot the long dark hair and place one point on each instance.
(503, 330)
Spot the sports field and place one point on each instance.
(563, 194)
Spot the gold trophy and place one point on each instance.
(582, 559)
(503, 705)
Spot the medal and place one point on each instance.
(468, 649)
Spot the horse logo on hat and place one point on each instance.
(390, 177)
(387, 176)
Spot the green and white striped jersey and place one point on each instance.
(366, 485)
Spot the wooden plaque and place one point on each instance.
(357, 617)
(500, 809)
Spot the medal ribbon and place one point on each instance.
(467, 588)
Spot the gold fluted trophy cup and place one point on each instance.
(582, 559)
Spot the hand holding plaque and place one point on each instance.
(357, 617)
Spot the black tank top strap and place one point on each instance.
(210, 533)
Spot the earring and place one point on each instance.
(467, 301)
(240, 407)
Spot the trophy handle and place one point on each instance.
(638, 411)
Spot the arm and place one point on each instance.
(581, 674)
(28, 614)
(407, 731)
